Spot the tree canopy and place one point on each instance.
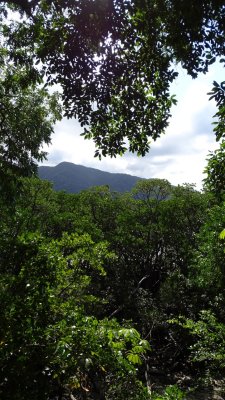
(90, 282)
(115, 59)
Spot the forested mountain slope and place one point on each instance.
(73, 178)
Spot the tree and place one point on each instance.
(27, 117)
(214, 182)
(153, 236)
(51, 345)
(153, 190)
(151, 242)
(209, 346)
(114, 59)
(215, 169)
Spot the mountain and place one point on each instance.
(73, 178)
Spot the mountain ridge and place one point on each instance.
(73, 178)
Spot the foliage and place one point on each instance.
(171, 393)
(27, 116)
(207, 267)
(215, 170)
(209, 344)
(115, 59)
(152, 189)
(70, 264)
(146, 281)
(218, 94)
(49, 342)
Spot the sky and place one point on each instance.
(178, 156)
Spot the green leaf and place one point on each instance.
(134, 358)
(222, 234)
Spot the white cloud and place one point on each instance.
(178, 156)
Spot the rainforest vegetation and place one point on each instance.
(106, 295)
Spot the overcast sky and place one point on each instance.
(178, 156)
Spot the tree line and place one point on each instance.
(104, 294)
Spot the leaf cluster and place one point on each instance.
(114, 60)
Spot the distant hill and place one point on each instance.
(73, 178)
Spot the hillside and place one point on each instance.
(73, 178)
